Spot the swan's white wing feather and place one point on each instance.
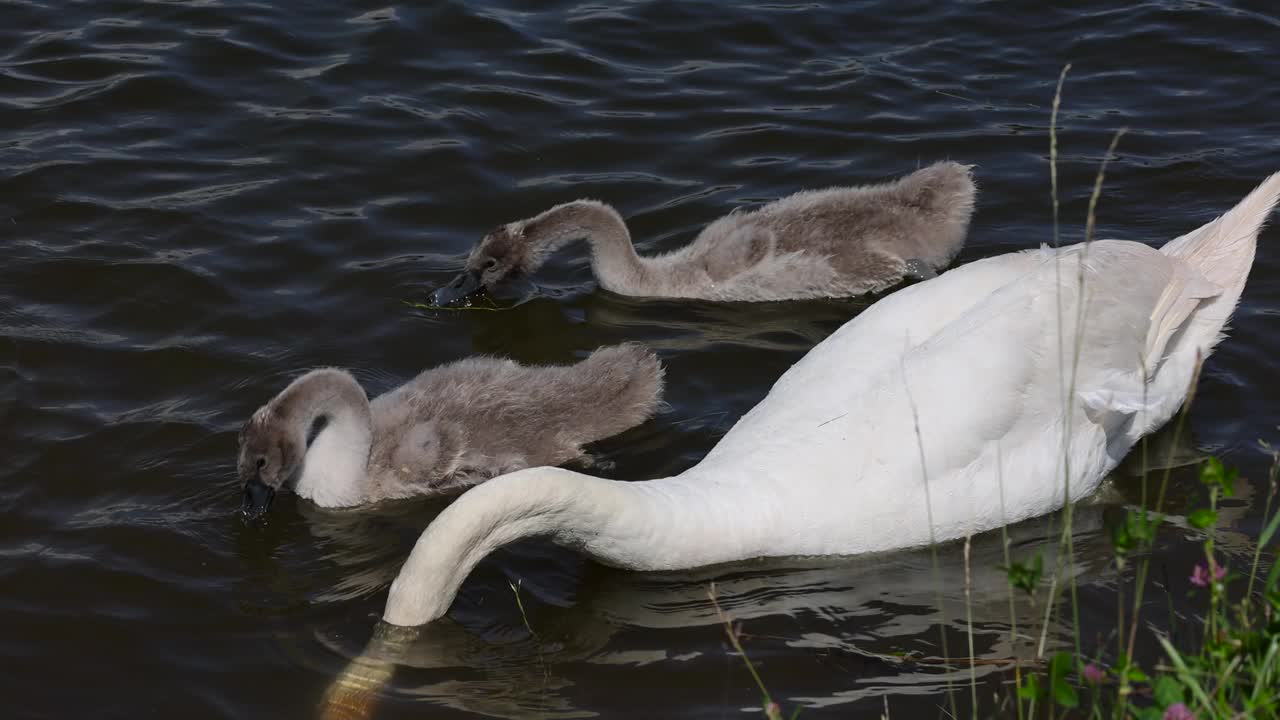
(1134, 299)
(1180, 298)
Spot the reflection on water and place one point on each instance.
(364, 545)
(869, 608)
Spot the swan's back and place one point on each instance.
(978, 396)
(979, 383)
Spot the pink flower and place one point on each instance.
(1178, 711)
(1200, 576)
(1094, 674)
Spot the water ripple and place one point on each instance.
(200, 199)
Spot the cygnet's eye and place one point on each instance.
(491, 263)
(262, 462)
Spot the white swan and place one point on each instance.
(838, 242)
(942, 410)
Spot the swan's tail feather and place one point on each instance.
(1222, 252)
(1209, 267)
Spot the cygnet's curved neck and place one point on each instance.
(613, 256)
(336, 462)
(654, 525)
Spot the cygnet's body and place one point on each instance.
(450, 427)
(838, 242)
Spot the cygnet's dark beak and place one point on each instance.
(257, 498)
(459, 289)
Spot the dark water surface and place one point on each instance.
(198, 200)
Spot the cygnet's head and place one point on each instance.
(502, 254)
(270, 457)
(519, 248)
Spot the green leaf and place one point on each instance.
(1134, 529)
(1168, 691)
(1121, 539)
(1141, 527)
(1030, 688)
(1150, 713)
(1202, 518)
(1214, 474)
(1135, 674)
(1063, 693)
(1026, 576)
(1211, 471)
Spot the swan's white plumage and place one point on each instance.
(949, 408)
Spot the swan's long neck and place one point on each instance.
(653, 525)
(336, 463)
(613, 256)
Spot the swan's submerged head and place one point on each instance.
(270, 456)
(501, 255)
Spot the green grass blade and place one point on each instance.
(1270, 530)
(1184, 674)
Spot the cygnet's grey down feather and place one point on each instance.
(838, 242)
(450, 427)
